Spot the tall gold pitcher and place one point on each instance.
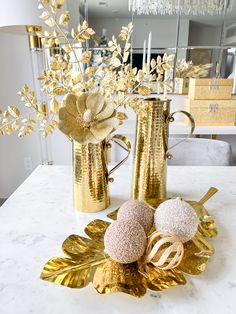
(91, 175)
(151, 149)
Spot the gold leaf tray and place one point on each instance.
(87, 262)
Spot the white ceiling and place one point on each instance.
(119, 9)
(113, 8)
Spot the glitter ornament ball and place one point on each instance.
(177, 217)
(139, 211)
(125, 241)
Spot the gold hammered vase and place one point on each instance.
(151, 150)
(91, 175)
(149, 172)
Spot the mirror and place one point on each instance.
(197, 40)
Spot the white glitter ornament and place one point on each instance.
(177, 217)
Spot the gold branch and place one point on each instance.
(53, 16)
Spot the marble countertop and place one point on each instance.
(39, 216)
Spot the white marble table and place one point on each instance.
(39, 216)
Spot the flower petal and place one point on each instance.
(65, 127)
(67, 122)
(102, 129)
(95, 102)
(106, 111)
(83, 136)
(81, 103)
(65, 116)
(69, 102)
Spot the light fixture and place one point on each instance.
(19, 13)
(187, 7)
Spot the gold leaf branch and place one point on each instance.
(160, 65)
(186, 69)
(50, 17)
(11, 120)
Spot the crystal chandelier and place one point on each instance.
(187, 7)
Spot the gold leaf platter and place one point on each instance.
(87, 262)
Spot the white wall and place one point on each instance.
(205, 35)
(16, 70)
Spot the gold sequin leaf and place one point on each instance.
(64, 18)
(13, 111)
(86, 56)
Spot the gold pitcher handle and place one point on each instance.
(170, 118)
(116, 138)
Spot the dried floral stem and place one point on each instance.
(137, 86)
(16, 119)
(64, 36)
(24, 116)
(29, 100)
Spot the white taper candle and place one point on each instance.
(149, 48)
(144, 53)
(165, 87)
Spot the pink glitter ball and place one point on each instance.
(139, 211)
(125, 241)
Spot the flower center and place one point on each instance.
(88, 116)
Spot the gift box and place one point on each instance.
(212, 112)
(181, 85)
(210, 88)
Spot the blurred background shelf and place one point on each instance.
(180, 128)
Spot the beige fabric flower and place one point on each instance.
(87, 118)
